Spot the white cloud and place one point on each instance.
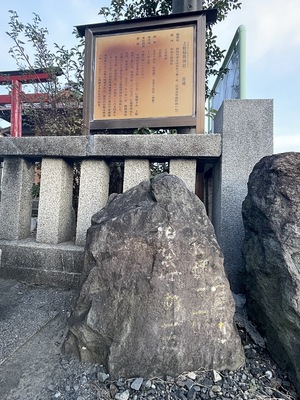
(272, 28)
(276, 27)
(284, 143)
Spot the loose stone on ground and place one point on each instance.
(259, 379)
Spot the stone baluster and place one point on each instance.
(135, 171)
(93, 194)
(16, 201)
(56, 217)
(185, 170)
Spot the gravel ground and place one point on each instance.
(260, 378)
(32, 329)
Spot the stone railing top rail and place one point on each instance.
(106, 146)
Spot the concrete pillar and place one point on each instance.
(16, 198)
(185, 170)
(56, 217)
(135, 171)
(93, 194)
(247, 136)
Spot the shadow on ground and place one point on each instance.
(32, 329)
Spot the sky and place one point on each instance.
(273, 48)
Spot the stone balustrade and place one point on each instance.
(222, 161)
(59, 230)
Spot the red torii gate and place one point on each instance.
(16, 97)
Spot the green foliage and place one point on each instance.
(61, 113)
(129, 9)
(212, 113)
(35, 191)
(158, 167)
(148, 131)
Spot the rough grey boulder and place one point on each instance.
(154, 298)
(271, 213)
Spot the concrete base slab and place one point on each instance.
(41, 264)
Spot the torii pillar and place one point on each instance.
(15, 98)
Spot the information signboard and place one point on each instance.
(148, 72)
(145, 74)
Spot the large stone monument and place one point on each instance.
(154, 297)
(271, 213)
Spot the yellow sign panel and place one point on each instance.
(147, 74)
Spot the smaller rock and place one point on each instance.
(181, 395)
(51, 388)
(113, 390)
(192, 393)
(189, 383)
(192, 375)
(269, 374)
(137, 383)
(217, 376)
(120, 383)
(122, 396)
(216, 389)
(148, 384)
(243, 377)
(102, 376)
(207, 382)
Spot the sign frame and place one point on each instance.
(94, 33)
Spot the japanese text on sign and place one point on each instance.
(145, 74)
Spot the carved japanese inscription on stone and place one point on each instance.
(145, 74)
